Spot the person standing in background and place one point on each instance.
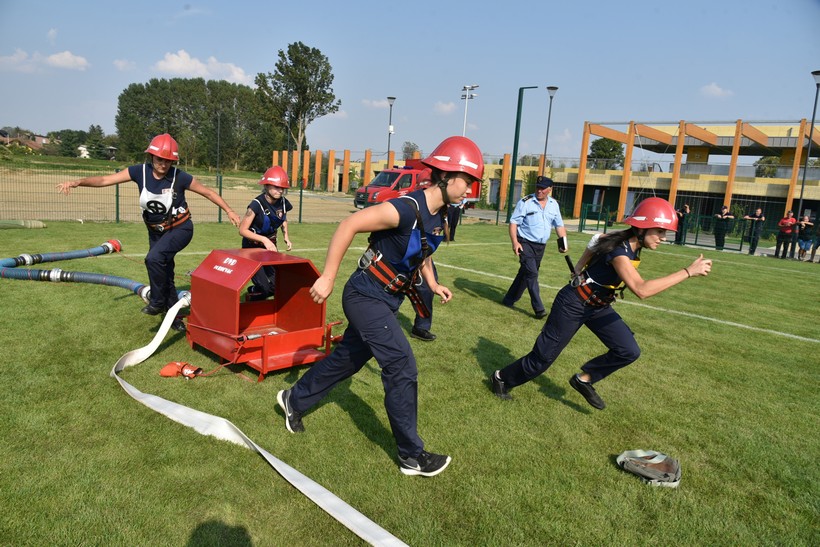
(805, 233)
(683, 221)
(722, 220)
(530, 225)
(784, 236)
(755, 228)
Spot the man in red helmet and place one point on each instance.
(404, 233)
(609, 265)
(266, 214)
(165, 213)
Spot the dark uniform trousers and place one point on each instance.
(527, 276)
(567, 315)
(162, 248)
(373, 332)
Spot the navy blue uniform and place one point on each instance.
(268, 218)
(374, 330)
(568, 314)
(156, 198)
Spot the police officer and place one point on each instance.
(530, 225)
(165, 213)
(266, 214)
(608, 265)
(404, 232)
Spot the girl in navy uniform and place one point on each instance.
(404, 233)
(608, 265)
(165, 213)
(266, 214)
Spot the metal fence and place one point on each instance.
(28, 193)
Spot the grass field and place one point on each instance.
(727, 383)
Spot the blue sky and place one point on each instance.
(63, 64)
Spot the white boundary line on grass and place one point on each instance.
(655, 308)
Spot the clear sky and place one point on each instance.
(64, 64)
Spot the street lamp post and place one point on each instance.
(551, 90)
(466, 95)
(390, 101)
(816, 75)
(515, 152)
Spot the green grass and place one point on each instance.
(84, 464)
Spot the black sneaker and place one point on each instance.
(150, 309)
(499, 389)
(541, 314)
(589, 393)
(293, 420)
(422, 334)
(425, 464)
(178, 325)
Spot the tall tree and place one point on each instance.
(408, 149)
(299, 91)
(605, 154)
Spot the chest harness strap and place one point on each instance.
(171, 220)
(393, 282)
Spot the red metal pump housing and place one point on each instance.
(286, 330)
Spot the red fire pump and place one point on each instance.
(286, 330)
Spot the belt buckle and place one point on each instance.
(159, 228)
(391, 287)
(368, 258)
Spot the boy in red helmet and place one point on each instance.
(608, 265)
(165, 213)
(404, 233)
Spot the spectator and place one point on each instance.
(784, 235)
(805, 234)
(532, 220)
(755, 228)
(722, 220)
(683, 222)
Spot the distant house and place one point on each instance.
(34, 143)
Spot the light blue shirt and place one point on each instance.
(534, 223)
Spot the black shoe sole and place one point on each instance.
(578, 386)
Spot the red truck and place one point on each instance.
(398, 181)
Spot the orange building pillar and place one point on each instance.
(730, 180)
(366, 167)
(317, 171)
(284, 164)
(346, 171)
(630, 146)
(673, 187)
(798, 155)
(506, 167)
(306, 167)
(274, 158)
(582, 172)
(331, 171)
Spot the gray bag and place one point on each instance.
(652, 467)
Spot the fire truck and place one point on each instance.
(398, 181)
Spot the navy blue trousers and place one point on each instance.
(162, 248)
(527, 276)
(373, 332)
(567, 315)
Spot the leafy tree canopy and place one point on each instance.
(605, 154)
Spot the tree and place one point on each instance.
(766, 167)
(605, 154)
(408, 149)
(94, 143)
(299, 91)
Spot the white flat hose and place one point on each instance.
(216, 426)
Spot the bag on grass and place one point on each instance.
(652, 467)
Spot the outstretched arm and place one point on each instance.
(95, 182)
(644, 288)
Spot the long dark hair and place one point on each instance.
(437, 178)
(607, 243)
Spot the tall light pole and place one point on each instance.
(551, 90)
(390, 101)
(466, 95)
(515, 152)
(816, 75)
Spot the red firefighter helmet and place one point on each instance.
(164, 146)
(654, 213)
(275, 176)
(457, 154)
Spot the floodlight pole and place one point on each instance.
(551, 90)
(515, 151)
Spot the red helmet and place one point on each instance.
(457, 154)
(164, 146)
(654, 213)
(275, 176)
